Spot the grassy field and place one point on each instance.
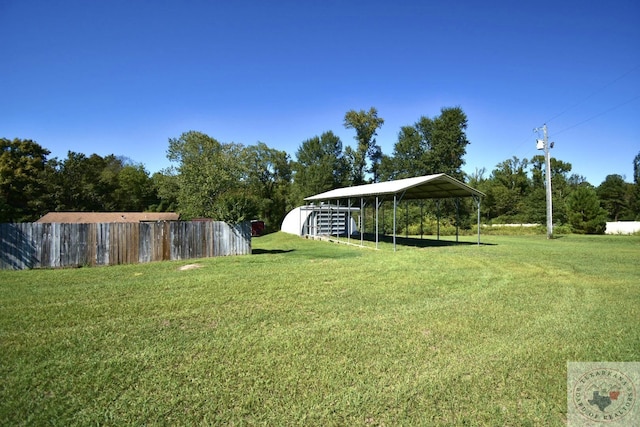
(314, 333)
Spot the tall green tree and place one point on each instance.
(135, 191)
(446, 140)
(635, 192)
(430, 146)
(23, 187)
(614, 197)
(206, 170)
(584, 213)
(101, 184)
(536, 203)
(410, 155)
(87, 183)
(479, 180)
(320, 166)
(365, 123)
(167, 188)
(269, 178)
(510, 187)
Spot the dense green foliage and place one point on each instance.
(430, 146)
(207, 170)
(234, 182)
(321, 166)
(32, 185)
(22, 179)
(312, 333)
(365, 123)
(584, 211)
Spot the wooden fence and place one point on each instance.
(36, 245)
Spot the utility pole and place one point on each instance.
(544, 145)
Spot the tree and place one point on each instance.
(22, 180)
(269, 178)
(320, 166)
(431, 145)
(480, 182)
(101, 184)
(506, 197)
(206, 170)
(235, 207)
(584, 213)
(135, 190)
(536, 203)
(409, 155)
(446, 141)
(365, 124)
(635, 191)
(167, 188)
(614, 197)
(87, 183)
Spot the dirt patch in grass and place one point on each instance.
(190, 267)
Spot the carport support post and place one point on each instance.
(478, 200)
(421, 218)
(457, 217)
(349, 220)
(361, 222)
(338, 219)
(376, 222)
(395, 203)
(438, 218)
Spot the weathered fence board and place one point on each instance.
(41, 245)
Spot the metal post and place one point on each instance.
(478, 202)
(349, 220)
(384, 233)
(394, 221)
(361, 222)
(548, 179)
(457, 217)
(421, 219)
(338, 217)
(438, 218)
(376, 222)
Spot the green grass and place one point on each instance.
(314, 333)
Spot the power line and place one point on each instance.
(598, 115)
(594, 93)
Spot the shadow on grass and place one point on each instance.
(421, 243)
(270, 251)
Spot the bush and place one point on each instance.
(235, 208)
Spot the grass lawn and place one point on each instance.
(315, 333)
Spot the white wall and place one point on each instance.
(622, 227)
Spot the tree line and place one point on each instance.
(234, 182)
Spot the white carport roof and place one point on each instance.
(438, 186)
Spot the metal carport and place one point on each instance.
(438, 186)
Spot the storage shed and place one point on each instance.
(320, 220)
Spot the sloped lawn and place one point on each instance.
(314, 333)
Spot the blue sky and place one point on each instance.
(122, 77)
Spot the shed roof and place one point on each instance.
(104, 217)
(438, 186)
